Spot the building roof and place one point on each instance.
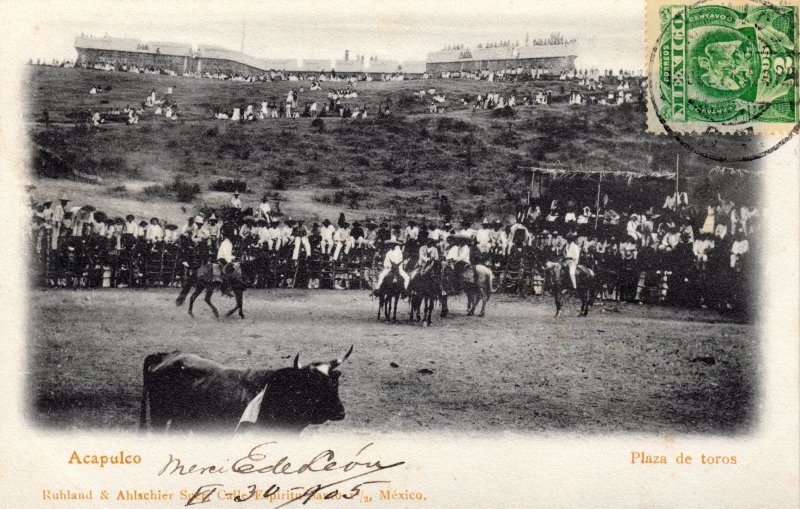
(413, 66)
(349, 66)
(384, 66)
(316, 65)
(501, 53)
(132, 45)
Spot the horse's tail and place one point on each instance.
(487, 280)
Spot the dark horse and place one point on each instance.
(389, 292)
(425, 289)
(235, 275)
(474, 280)
(557, 278)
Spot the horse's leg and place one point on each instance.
(557, 297)
(394, 313)
(444, 312)
(209, 293)
(240, 302)
(194, 296)
(185, 289)
(430, 302)
(380, 307)
(472, 302)
(484, 299)
(235, 308)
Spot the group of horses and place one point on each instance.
(435, 282)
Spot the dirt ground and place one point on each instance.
(625, 368)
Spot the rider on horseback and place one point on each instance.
(572, 257)
(393, 261)
(459, 257)
(428, 253)
(224, 257)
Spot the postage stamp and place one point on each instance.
(730, 67)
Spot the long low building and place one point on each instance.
(556, 57)
(182, 59)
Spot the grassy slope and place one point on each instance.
(402, 164)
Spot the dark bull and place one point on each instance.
(187, 392)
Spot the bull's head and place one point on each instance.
(303, 395)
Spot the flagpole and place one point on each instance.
(677, 167)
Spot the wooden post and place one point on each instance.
(597, 203)
(677, 167)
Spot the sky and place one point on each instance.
(610, 32)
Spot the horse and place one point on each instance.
(202, 279)
(557, 278)
(476, 282)
(425, 289)
(390, 291)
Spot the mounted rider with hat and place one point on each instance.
(225, 268)
(393, 261)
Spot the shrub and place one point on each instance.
(279, 183)
(362, 161)
(212, 131)
(335, 181)
(229, 186)
(179, 190)
(396, 183)
(48, 164)
(504, 112)
(453, 124)
(476, 188)
(318, 124)
(185, 192)
(157, 191)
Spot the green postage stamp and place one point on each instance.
(729, 67)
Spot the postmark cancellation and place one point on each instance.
(722, 66)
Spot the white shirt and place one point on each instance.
(342, 234)
(153, 232)
(484, 236)
(452, 253)
(327, 232)
(225, 251)
(463, 254)
(236, 202)
(393, 257)
(573, 251)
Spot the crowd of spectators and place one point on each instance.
(675, 252)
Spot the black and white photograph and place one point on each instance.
(489, 227)
(316, 220)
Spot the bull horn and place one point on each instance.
(336, 362)
(297, 364)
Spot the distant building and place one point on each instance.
(132, 52)
(552, 56)
(181, 59)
